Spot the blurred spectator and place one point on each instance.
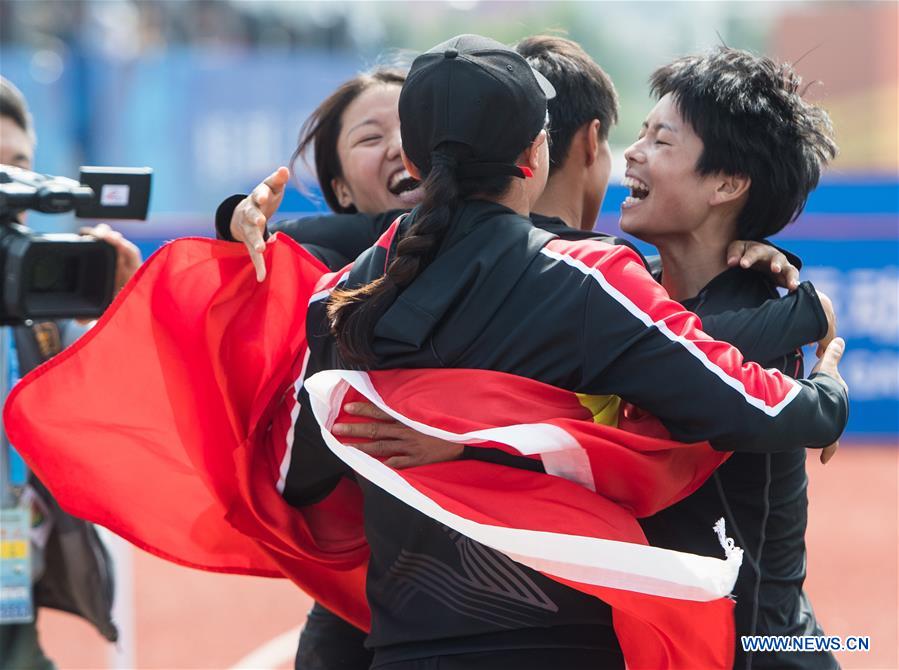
(72, 571)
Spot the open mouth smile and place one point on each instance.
(639, 191)
(401, 182)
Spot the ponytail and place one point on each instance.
(353, 313)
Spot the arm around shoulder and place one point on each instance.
(644, 347)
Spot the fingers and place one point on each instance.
(261, 195)
(96, 231)
(277, 180)
(256, 247)
(400, 462)
(828, 452)
(253, 212)
(258, 263)
(371, 431)
(829, 362)
(783, 271)
(382, 448)
(367, 409)
(384, 426)
(790, 274)
(831, 316)
(759, 255)
(247, 220)
(267, 196)
(128, 258)
(832, 355)
(755, 252)
(735, 251)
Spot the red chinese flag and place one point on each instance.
(169, 423)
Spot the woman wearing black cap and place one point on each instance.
(466, 281)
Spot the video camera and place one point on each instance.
(57, 276)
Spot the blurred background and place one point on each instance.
(211, 95)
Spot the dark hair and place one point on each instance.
(751, 118)
(322, 129)
(354, 312)
(14, 107)
(583, 91)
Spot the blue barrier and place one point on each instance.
(215, 123)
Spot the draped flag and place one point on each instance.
(170, 423)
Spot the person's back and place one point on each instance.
(472, 307)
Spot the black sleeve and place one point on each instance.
(223, 215)
(776, 328)
(345, 234)
(501, 457)
(651, 352)
(330, 258)
(335, 239)
(314, 469)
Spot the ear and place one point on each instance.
(342, 191)
(413, 171)
(532, 153)
(730, 188)
(591, 140)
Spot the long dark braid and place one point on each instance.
(354, 312)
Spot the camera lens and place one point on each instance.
(53, 274)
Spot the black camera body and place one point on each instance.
(62, 275)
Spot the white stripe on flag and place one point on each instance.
(326, 292)
(561, 454)
(588, 560)
(294, 413)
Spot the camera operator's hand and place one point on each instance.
(128, 257)
(252, 214)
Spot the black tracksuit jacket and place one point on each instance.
(474, 307)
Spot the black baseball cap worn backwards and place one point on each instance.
(474, 91)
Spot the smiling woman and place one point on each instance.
(355, 138)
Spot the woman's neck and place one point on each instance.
(515, 198)
(690, 262)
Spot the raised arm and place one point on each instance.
(335, 239)
(250, 216)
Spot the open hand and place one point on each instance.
(828, 363)
(252, 214)
(398, 445)
(763, 257)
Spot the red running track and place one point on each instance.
(190, 619)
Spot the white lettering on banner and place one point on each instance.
(866, 300)
(871, 375)
(212, 150)
(873, 303)
(229, 145)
